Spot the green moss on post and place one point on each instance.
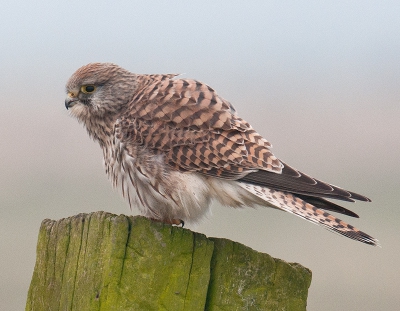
(102, 261)
(243, 279)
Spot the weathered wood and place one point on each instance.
(101, 261)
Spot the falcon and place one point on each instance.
(173, 145)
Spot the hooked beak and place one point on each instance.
(70, 101)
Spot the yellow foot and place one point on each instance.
(170, 221)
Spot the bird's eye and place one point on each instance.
(88, 89)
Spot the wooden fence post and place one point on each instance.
(101, 261)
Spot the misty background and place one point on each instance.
(318, 79)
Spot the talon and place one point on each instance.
(177, 222)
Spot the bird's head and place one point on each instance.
(99, 90)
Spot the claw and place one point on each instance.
(176, 222)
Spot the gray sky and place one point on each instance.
(319, 79)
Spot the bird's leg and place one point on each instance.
(176, 222)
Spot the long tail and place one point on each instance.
(292, 204)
